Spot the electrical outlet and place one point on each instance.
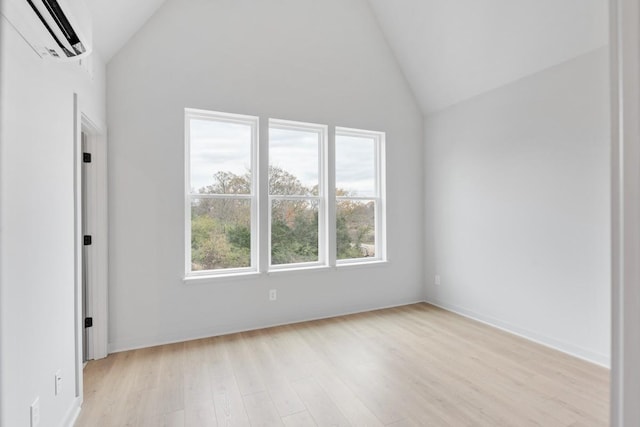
(436, 280)
(58, 383)
(273, 294)
(34, 412)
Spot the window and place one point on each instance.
(297, 194)
(227, 213)
(359, 195)
(221, 190)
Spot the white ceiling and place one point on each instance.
(449, 50)
(452, 50)
(115, 21)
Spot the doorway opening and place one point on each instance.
(86, 204)
(91, 254)
(93, 233)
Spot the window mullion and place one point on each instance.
(221, 196)
(381, 209)
(356, 197)
(331, 199)
(264, 201)
(294, 197)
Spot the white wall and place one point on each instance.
(322, 62)
(37, 326)
(517, 202)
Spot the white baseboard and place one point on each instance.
(575, 351)
(219, 330)
(570, 349)
(72, 414)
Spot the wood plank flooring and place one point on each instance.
(416, 365)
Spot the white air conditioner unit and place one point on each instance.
(59, 29)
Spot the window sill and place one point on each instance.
(305, 269)
(220, 277)
(363, 264)
(276, 272)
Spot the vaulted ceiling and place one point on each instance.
(116, 21)
(453, 50)
(449, 50)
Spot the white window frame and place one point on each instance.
(321, 197)
(379, 197)
(253, 122)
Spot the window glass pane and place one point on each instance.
(220, 233)
(355, 229)
(355, 166)
(220, 157)
(293, 162)
(294, 231)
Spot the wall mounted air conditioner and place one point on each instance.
(59, 29)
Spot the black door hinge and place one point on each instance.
(88, 322)
(86, 157)
(87, 240)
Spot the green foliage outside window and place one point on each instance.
(221, 228)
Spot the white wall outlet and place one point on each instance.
(436, 280)
(273, 294)
(58, 383)
(34, 412)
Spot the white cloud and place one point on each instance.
(218, 146)
(296, 152)
(355, 165)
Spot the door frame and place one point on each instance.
(625, 211)
(97, 212)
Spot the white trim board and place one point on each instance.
(219, 330)
(99, 229)
(73, 413)
(572, 350)
(625, 211)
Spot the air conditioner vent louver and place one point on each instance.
(58, 29)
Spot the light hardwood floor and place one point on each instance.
(416, 365)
